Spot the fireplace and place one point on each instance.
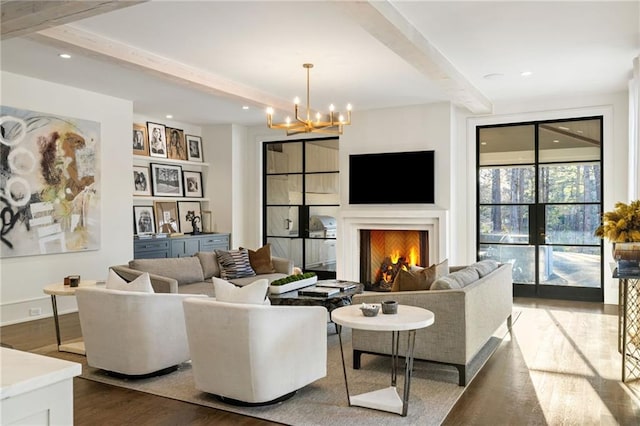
(351, 221)
(383, 253)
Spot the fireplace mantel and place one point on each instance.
(351, 221)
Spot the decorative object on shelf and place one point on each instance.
(141, 181)
(192, 184)
(176, 148)
(140, 140)
(206, 221)
(329, 124)
(166, 180)
(157, 141)
(194, 148)
(167, 216)
(188, 212)
(621, 226)
(50, 183)
(143, 221)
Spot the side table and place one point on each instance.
(629, 325)
(408, 318)
(59, 289)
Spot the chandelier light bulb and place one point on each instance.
(349, 107)
(296, 100)
(341, 118)
(288, 120)
(332, 108)
(269, 111)
(318, 116)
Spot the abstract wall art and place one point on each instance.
(49, 181)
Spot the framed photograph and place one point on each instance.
(187, 210)
(194, 148)
(157, 140)
(192, 184)
(141, 181)
(140, 140)
(176, 148)
(143, 222)
(166, 216)
(166, 180)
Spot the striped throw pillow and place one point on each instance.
(234, 264)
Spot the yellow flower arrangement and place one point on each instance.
(622, 224)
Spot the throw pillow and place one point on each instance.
(254, 293)
(260, 260)
(234, 264)
(445, 283)
(141, 284)
(414, 280)
(209, 262)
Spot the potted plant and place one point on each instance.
(621, 226)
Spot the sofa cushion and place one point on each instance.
(209, 262)
(254, 293)
(185, 270)
(458, 279)
(485, 267)
(141, 284)
(234, 264)
(260, 260)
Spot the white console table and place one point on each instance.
(408, 318)
(36, 389)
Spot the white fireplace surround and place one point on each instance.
(351, 221)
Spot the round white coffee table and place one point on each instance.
(408, 318)
(59, 289)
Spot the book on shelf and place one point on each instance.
(318, 291)
(341, 285)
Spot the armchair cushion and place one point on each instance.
(234, 264)
(254, 293)
(141, 283)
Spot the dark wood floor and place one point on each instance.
(557, 367)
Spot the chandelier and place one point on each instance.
(330, 124)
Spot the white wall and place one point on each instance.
(24, 277)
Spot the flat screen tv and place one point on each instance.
(392, 178)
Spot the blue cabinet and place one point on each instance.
(182, 246)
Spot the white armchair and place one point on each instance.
(253, 354)
(133, 333)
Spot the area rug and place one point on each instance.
(434, 388)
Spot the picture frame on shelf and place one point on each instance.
(141, 181)
(157, 140)
(166, 180)
(167, 217)
(187, 210)
(176, 147)
(192, 184)
(140, 140)
(206, 221)
(143, 220)
(194, 148)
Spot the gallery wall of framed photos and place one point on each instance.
(169, 172)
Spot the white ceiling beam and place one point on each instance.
(21, 17)
(383, 21)
(89, 44)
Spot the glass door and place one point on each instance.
(539, 203)
(301, 201)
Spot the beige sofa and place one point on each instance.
(192, 274)
(465, 320)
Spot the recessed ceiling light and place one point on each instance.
(556, 141)
(483, 143)
(526, 73)
(169, 116)
(245, 107)
(64, 55)
(493, 76)
(563, 128)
